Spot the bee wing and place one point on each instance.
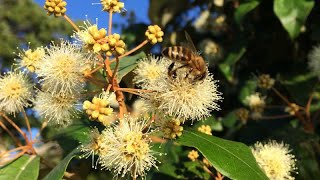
(190, 43)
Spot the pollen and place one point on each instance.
(206, 129)
(112, 5)
(193, 155)
(172, 129)
(30, 59)
(15, 92)
(154, 34)
(56, 7)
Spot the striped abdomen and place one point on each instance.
(178, 53)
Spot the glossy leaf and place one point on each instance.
(25, 167)
(127, 64)
(293, 14)
(232, 159)
(57, 172)
(248, 89)
(227, 67)
(244, 9)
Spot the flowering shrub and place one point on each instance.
(134, 114)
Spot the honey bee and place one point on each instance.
(188, 57)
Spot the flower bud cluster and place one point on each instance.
(206, 129)
(265, 81)
(154, 34)
(114, 45)
(112, 5)
(98, 109)
(56, 7)
(30, 59)
(172, 129)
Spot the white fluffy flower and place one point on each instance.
(61, 69)
(314, 60)
(275, 159)
(183, 99)
(15, 92)
(151, 69)
(256, 102)
(57, 108)
(127, 148)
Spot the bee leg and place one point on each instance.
(171, 72)
(190, 70)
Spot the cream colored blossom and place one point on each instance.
(59, 109)
(15, 92)
(193, 155)
(95, 146)
(128, 149)
(61, 69)
(183, 99)
(151, 69)
(256, 102)
(275, 159)
(206, 129)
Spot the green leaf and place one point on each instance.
(232, 159)
(248, 89)
(227, 66)
(25, 167)
(57, 172)
(70, 137)
(244, 9)
(230, 120)
(293, 14)
(127, 64)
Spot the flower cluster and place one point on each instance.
(114, 45)
(265, 81)
(99, 108)
(275, 159)
(206, 129)
(193, 155)
(55, 7)
(112, 5)
(92, 38)
(15, 92)
(172, 128)
(31, 59)
(154, 34)
(124, 148)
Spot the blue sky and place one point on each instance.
(78, 9)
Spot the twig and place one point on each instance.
(27, 123)
(10, 133)
(71, 22)
(131, 51)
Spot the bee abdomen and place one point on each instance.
(177, 53)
